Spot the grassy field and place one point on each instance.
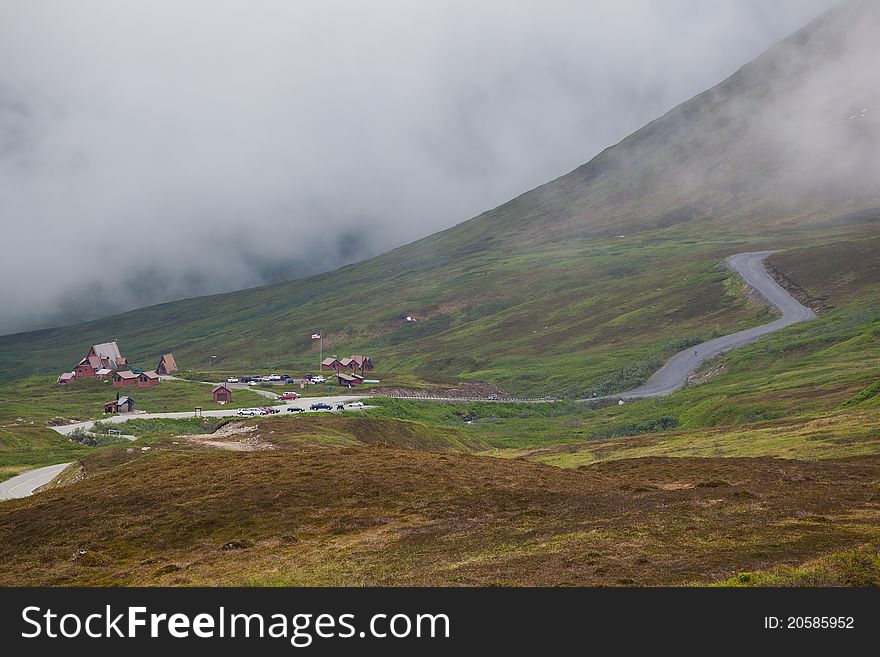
(387, 516)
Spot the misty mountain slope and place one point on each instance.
(785, 141)
(544, 292)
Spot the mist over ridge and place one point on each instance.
(149, 153)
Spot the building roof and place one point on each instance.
(346, 377)
(66, 376)
(104, 371)
(150, 374)
(168, 359)
(328, 361)
(221, 387)
(345, 362)
(126, 374)
(107, 350)
(117, 402)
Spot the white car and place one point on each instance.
(266, 378)
(357, 404)
(318, 379)
(232, 379)
(253, 383)
(249, 412)
(275, 377)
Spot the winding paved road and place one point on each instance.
(27, 482)
(669, 378)
(674, 374)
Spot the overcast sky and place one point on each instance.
(156, 150)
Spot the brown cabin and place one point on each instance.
(125, 378)
(166, 365)
(221, 394)
(120, 405)
(349, 380)
(330, 365)
(66, 378)
(147, 379)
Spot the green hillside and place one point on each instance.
(586, 283)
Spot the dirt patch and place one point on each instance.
(819, 305)
(233, 436)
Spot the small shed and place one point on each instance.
(221, 394)
(120, 405)
(125, 378)
(67, 377)
(148, 379)
(166, 365)
(104, 373)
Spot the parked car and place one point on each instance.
(295, 409)
(248, 412)
(268, 410)
(266, 378)
(274, 377)
(492, 397)
(253, 383)
(318, 379)
(357, 404)
(232, 379)
(340, 406)
(289, 395)
(321, 406)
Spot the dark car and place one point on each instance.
(296, 409)
(340, 407)
(321, 406)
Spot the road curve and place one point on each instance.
(27, 482)
(750, 267)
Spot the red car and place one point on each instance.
(267, 410)
(288, 395)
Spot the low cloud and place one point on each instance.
(152, 151)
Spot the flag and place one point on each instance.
(316, 336)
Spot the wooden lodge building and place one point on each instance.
(352, 364)
(104, 361)
(100, 358)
